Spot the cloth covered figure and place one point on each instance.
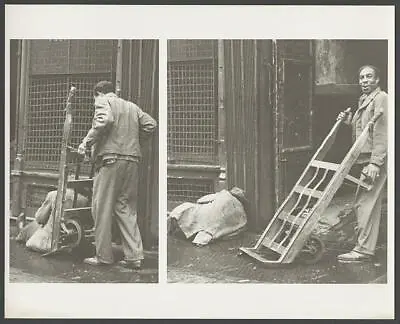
(212, 217)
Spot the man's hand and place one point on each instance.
(345, 116)
(82, 149)
(371, 171)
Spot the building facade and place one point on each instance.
(250, 113)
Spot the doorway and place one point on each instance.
(293, 63)
(345, 91)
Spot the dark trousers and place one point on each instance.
(368, 208)
(115, 196)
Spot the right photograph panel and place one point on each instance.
(277, 161)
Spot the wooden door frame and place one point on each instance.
(278, 81)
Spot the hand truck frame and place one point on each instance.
(289, 234)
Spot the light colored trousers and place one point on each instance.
(115, 196)
(368, 209)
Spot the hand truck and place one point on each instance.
(71, 227)
(289, 234)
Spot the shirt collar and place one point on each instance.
(365, 96)
(365, 99)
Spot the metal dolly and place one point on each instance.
(289, 233)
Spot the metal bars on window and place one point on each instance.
(46, 116)
(192, 101)
(181, 190)
(55, 65)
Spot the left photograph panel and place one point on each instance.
(84, 160)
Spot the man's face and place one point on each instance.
(368, 80)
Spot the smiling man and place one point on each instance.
(372, 162)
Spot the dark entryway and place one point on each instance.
(338, 89)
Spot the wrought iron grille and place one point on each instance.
(45, 119)
(36, 195)
(55, 66)
(181, 190)
(192, 104)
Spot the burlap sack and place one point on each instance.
(40, 241)
(27, 231)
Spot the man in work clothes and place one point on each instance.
(373, 162)
(114, 142)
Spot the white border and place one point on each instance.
(162, 274)
(194, 300)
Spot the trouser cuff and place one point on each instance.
(363, 251)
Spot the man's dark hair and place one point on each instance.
(373, 67)
(104, 87)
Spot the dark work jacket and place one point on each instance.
(375, 149)
(117, 126)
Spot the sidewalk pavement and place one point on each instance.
(220, 262)
(29, 266)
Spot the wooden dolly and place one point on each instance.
(70, 226)
(289, 233)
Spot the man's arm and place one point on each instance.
(147, 124)
(379, 139)
(346, 116)
(102, 120)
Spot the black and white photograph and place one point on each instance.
(277, 153)
(197, 161)
(83, 160)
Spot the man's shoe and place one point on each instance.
(353, 256)
(134, 265)
(94, 261)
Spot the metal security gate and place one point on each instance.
(54, 66)
(192, 119)
(186, 189)
(192, 101)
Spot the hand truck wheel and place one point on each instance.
(312, 251)
(72, 233)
